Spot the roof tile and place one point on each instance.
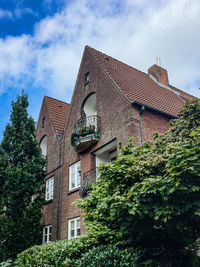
(139, 86)
(58, 111)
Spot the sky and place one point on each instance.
(42, 42)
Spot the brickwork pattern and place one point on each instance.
(54, 149)
(119, 120)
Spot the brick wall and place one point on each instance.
(118, 119)
(152, 122)
(54, 147)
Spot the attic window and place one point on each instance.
(43, 122)
(87, 78)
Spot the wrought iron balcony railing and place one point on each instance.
(86, 125)
(86, 133)
(89, 178)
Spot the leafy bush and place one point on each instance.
(107, 256)
(7, 263)
(60, 253)
(149, 198)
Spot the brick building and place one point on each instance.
(49, 132)
(111, 102)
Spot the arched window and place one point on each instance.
(43, 146)
(89, 106)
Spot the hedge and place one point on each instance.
(59, 253)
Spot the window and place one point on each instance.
(43, 146)
(47, 234)
(74, 228)
(89, 105)
(87, 78)
(49, 188)
(106, 153)
(43, 122)
(74, 175)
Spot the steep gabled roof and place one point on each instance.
(58, 112)
(140, 87)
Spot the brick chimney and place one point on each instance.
(159, 73)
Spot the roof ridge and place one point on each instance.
(138, 86)
(56, 99)
(58, 111)
(117, 60)
(107, 73)
(48, 107)
(172, 86)
(179, 90)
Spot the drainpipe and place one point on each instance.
(146, 107)
(141, 128)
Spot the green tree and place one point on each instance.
(149, 198)
(21, 180)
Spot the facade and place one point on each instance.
(49, 132)
(111, 103)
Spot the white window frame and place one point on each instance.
(76, 229)
(49, 188)
(75, 175)
(47, 231)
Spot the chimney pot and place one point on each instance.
(158, 61)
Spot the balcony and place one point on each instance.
(85, 133)
(88, 178)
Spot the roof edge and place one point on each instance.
(107, 74)
(56, 99)
(59, 137)
(136, 103)
(51, 117)
(37, 125)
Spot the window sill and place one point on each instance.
(73, 190)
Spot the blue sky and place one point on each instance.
(41, 43)
(19, 17)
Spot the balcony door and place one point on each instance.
(105, 154)
(89, 110)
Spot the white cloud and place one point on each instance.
(135, 32)
(5, 13)
(19, 12)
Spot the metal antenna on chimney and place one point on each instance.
(158, 61)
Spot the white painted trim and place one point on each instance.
(75, 227)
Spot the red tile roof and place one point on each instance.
(58, 111)
(140, 87)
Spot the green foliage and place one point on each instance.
(83, 251)
(59, 253)
(107, 256)
(149, 197)
(6, 263)
(82, 131)
(21, 178)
